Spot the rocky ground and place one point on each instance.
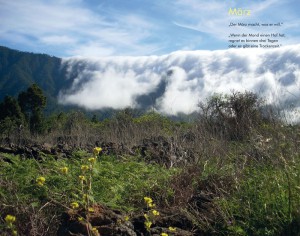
(112, 222)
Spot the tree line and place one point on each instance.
(229, 117)
(25, 111)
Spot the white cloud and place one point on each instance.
(116, 84)
(57, 39)
(92, 49)
(176, 82)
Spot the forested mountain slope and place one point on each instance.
(19, 70)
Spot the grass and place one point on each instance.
(251, 196)
(118, 183)
(258, 198)
(266, 200)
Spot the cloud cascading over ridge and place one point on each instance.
(176, 82)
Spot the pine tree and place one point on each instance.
(32, 103)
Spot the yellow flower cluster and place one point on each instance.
(155, 212)
(74, 205)
(95, 231)
(9, 219)
(64, 170)
(149, 219)
(148, 225)
(163, 234)
(149, 202)
(85, 168)
(85, 177)
(81, 178)
(92, 160)
(97, 150)
(40, 181)
(91, 209)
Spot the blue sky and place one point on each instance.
(67, 28)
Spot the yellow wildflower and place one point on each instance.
(9, 219)
(80, 218)
(74, 205)
(155, 212)
(97, 150)
(84, 168)
(81, 177)
(91, 209)
(95, 231)
(126, 218)
(148, 225)
(163, 234)
(40, 181)
(148, 199)
(14, 232)
(149, 202)
(64, 170)
(92, 159)
(172, 229)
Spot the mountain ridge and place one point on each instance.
(19, 70)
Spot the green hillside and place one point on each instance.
(19, 70)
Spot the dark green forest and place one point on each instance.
(19, 70)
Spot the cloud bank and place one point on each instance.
(177, 82)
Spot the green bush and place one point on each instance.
(265, 201)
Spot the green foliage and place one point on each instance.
(7, 126)
(10, 108)
(32, 103)
(154, 120)
(32, 100)
(18, 70)
(118, 183)
(122, 183)
(265, 200)
(11, 117)
(224, 186)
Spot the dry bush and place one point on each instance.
(232, 116)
